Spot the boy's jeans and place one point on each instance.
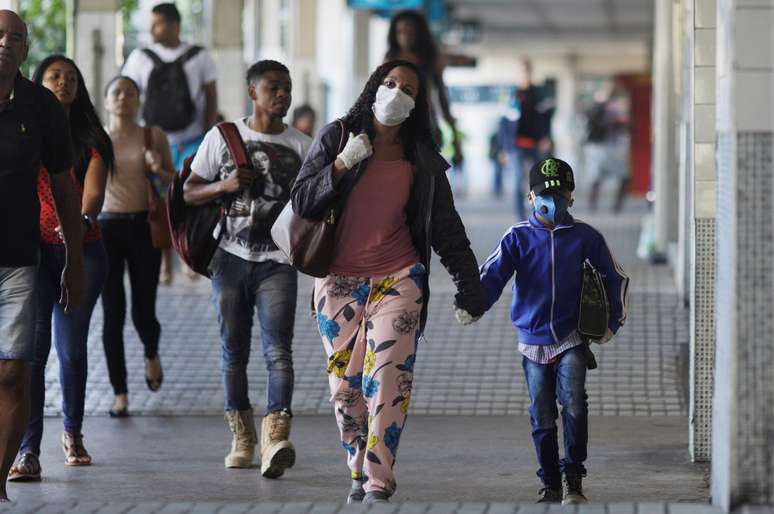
(564, 380)
(240, 287)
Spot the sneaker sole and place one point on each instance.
(283, 459)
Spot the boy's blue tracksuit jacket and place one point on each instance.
(549, 272)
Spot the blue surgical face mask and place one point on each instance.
(552, 207)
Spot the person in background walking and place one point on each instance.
(304, 119)
(177, 84)
(33, 131)
(141, 153)
(532, 136)
(93, 153)
(410, 39)
(372, 307)
(249, 272)
(607, 143)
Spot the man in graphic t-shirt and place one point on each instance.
(200, 75)
(248, 271)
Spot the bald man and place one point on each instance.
(33, 132)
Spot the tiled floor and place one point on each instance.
(460, 370)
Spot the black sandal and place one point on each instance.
(154, 384)
(26, 469)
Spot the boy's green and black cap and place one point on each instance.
(551, 174)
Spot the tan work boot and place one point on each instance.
(242, 425)
(277, 452)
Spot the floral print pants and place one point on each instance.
(370, 328)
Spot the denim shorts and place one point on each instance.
(17, 313)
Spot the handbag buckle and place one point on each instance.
(331, 218)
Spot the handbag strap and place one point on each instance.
(147, 137)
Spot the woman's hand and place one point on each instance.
(357, 149)
(153, 161)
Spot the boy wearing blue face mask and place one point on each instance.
(546, 253)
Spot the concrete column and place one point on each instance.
(97, 31)
(664, 165)
(343, 52)
(700, 145)
(12, 5)
(743, 406)
(228, 54)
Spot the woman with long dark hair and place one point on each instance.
(372, 307)
(93, 158)
(141, 153)
(410, 39)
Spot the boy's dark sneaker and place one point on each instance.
(548, 495)
(376, 496)
(573, 490)
(356, 492)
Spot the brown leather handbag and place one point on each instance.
(309, 243)
(157, 209)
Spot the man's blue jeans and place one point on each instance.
(70, 331)
(239, 288)
(565, 381)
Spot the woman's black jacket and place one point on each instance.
(432, 219)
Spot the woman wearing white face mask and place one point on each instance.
(371, 309)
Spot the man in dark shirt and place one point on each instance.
(33, 131)
(532, 134)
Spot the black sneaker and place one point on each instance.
(376, 496)
(356, 492)
(573, 490)
(549, 495)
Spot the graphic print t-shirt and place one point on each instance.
(276, 158)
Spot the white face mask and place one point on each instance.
(392, 106)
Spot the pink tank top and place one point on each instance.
(373, 238)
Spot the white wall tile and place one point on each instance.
(704, 124)
(704, 162)
(706, 199)
(754, 100)
(704, 47)
(754, 38)
(705, 16)
(704, 85)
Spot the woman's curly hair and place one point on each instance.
(415, 129)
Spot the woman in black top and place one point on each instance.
(371, 323)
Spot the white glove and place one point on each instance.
(607, 337)
(357, 149)
(464, 317)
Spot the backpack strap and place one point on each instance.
(235, 144)
(153, 57)
(188, 54)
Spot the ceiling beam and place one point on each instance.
(609, 8)
(542, 12)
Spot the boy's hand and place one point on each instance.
(607, 337)
(464, 317)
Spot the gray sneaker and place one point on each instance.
(549, 495)
(376, 497)
(356, 492)
(573, 490)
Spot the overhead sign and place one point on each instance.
(386, 5)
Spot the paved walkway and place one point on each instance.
(460, 459)
(460, 370)
(467, 440)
